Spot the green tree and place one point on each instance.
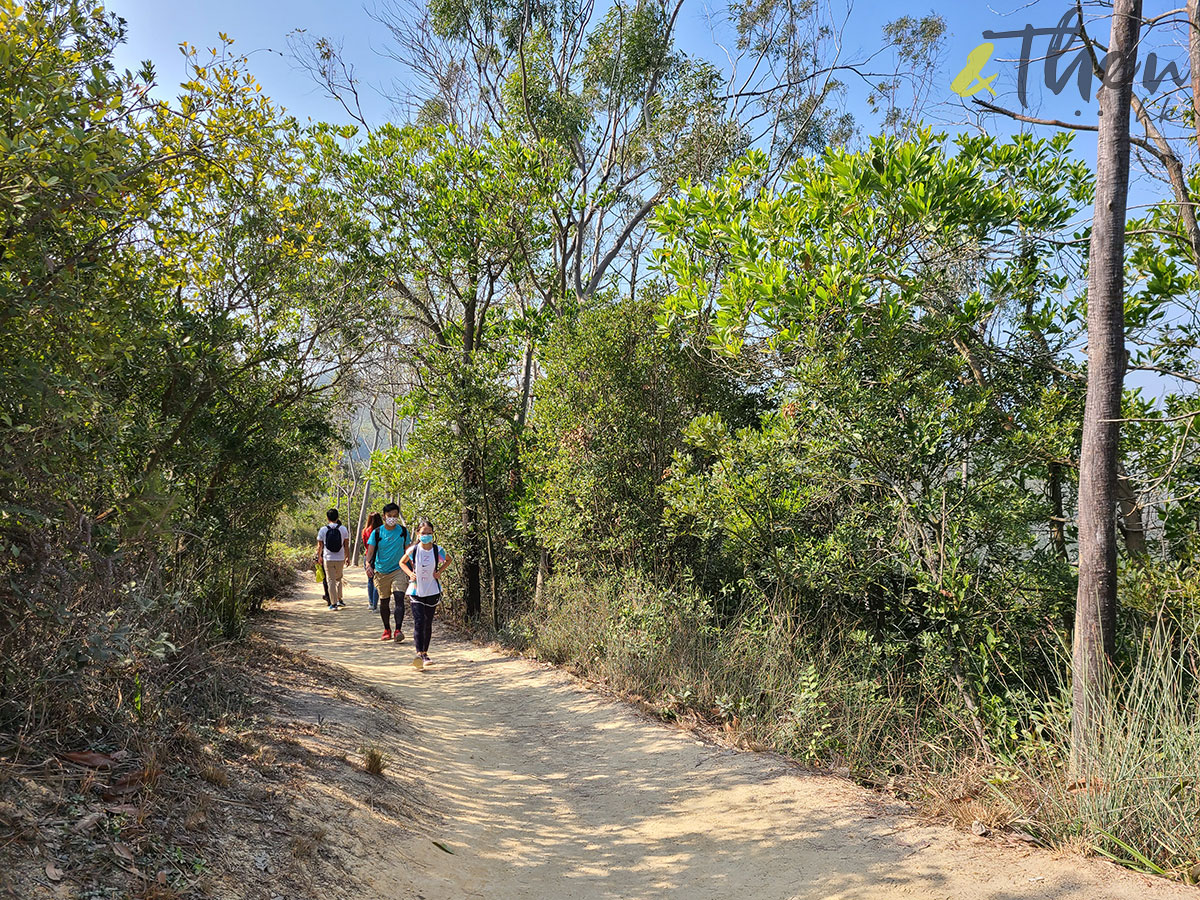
(457, 225)
(900, 299)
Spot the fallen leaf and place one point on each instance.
(123, 809)
(89, 758)
(162, 878)
(979, 828)
(126, 784)
(53, 872)
(88, 822)
(195, 820)
(123, 851)
(443, 847)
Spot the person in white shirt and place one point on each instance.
(423, 562)
(331, 545)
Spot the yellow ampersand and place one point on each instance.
(968, 82)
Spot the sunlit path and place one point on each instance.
(545, 789)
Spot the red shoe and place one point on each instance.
(387, 635)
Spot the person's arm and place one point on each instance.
(444, 565)
(320, 545)
(368, 565)
(404, 562)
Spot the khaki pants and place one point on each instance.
(333, 576)
(384, 583)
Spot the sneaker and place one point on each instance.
(387, 635)
(399, 636)
(341, 604)
(425, 656)
(418, 663)
(331, 607)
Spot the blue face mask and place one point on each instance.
(427, 539)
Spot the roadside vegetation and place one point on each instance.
(771, 417)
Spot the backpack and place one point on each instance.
(333, 537)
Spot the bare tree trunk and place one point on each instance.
(1058, 521)
(526, 382)
(1096, 600)
(472, 546)
(543, 572)
(1133, 525)
(1193, 12)
(362, 511)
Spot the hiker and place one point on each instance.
(385, 546)
(423, 562)
(332, 540)
(375, 520)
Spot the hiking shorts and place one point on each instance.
(385, 582)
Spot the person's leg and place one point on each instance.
(430, 612)
(383, 587)
(333, 571)
(418, 624)
(418, 618)
(426, 627)
(372, 594)
(400, 604)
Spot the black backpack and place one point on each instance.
(333, 537)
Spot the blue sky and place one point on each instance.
(261, 29)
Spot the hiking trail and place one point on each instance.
(536, 787)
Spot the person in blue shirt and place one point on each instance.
(385, 546)
(423, 562)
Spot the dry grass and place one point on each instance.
(214, 774)
(189, 807)
(374, 761)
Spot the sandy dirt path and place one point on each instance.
(540, 788)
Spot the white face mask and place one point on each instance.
(391, 521)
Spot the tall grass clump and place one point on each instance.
(1136, 797)
(827, 696)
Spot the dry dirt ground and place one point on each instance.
(267, 801)
(503, 778)
(533, 786)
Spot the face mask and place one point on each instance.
(427, 539)
(390, 521)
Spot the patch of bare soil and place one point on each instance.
(272, 800)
